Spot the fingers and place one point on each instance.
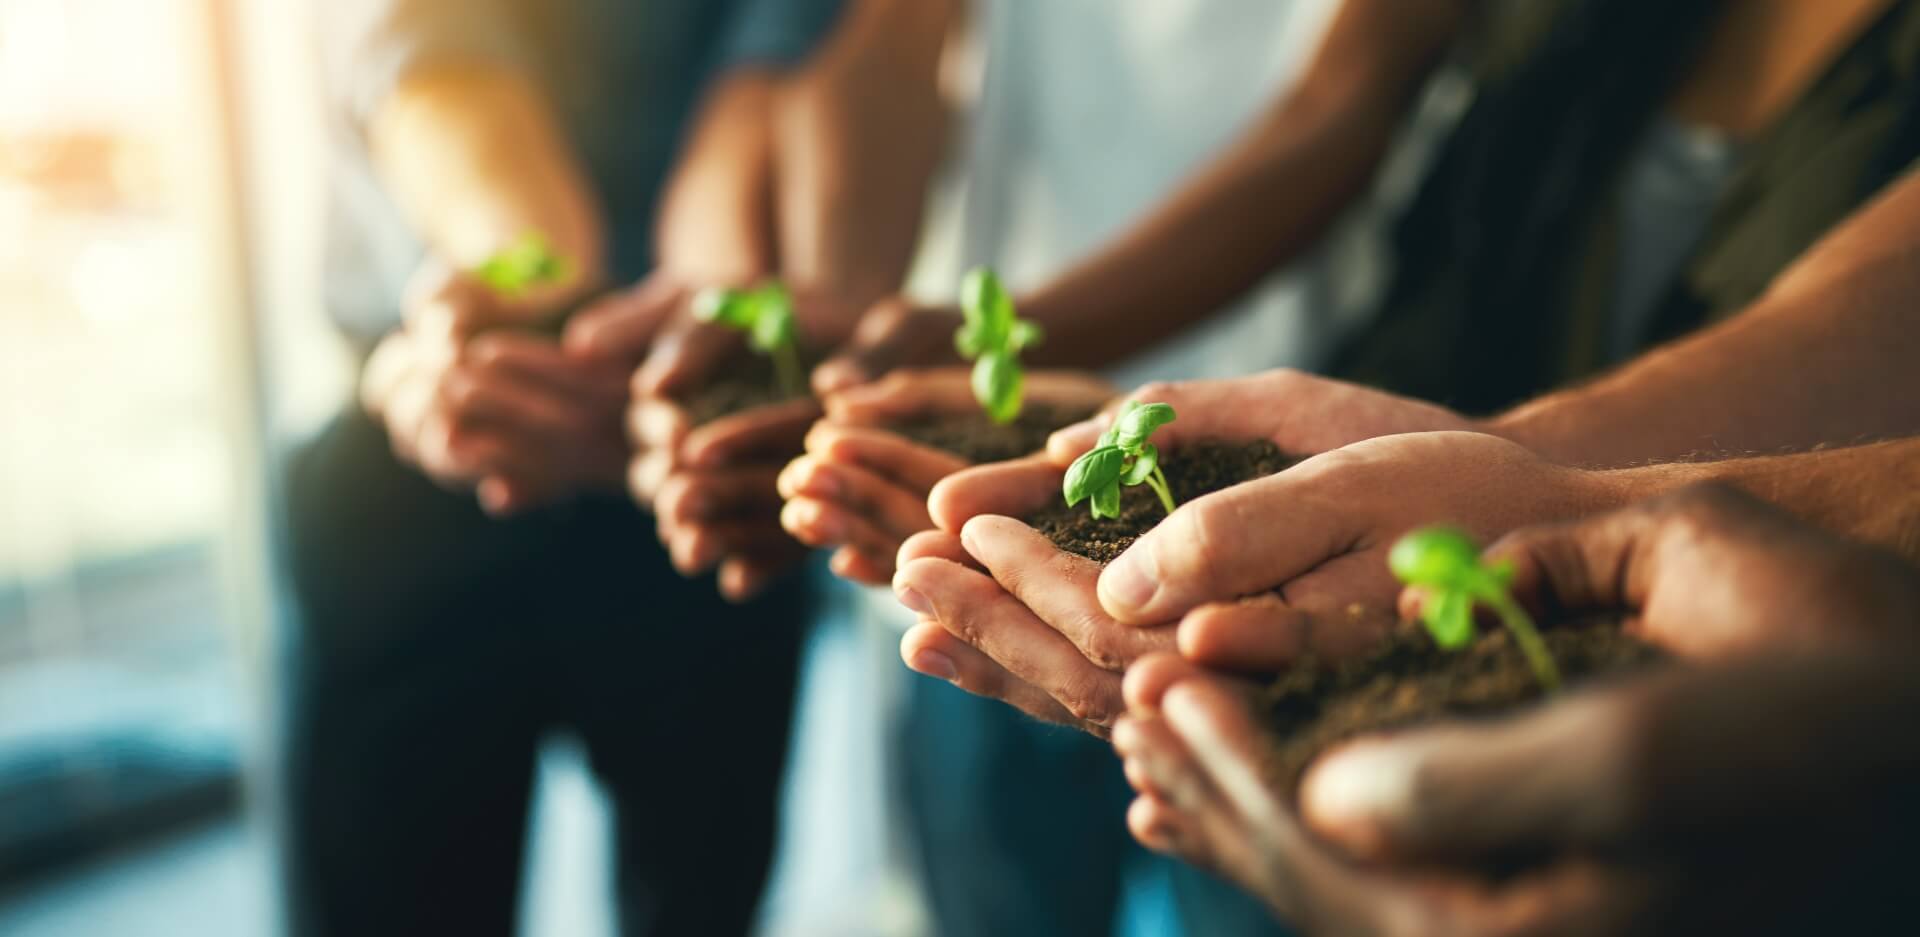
(913, 466)
(1231, 543)
(939, 545)
(1057, 587)
(718, 494)
(685, 352)
(892, 335)
(857, 491)
(852, 564)
(1014, 489)
(742, 578)
(770, 433)
(902, 394)
(621, 325)
(1549, 778)
(976, 610)
(929, 649)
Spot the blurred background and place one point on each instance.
(155, 190)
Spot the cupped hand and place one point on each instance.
(1301, 413)
(1295, 564)
(476, 404)
(863, 490)
(894, 333)
(1709, 571)
(1007, 615)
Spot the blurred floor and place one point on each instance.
(214, 882)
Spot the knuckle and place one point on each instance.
(1086, 700)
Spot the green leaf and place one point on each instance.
(997, 384)
(1138, 422)
(1437, 557)
(1096, 469)
(1144, 462)
(526, 263)
(1024, 335)
(966, 341)
(773, 328)
(732, 308)
(987, 310)
(1106, 502)
(1449, 618)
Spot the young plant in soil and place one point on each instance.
(1123, 457)
(992, 336)
(526, 264)
(765, 314)
(1445, 564)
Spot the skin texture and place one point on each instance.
(1062, 625)
(862, 491)
(1639, 796)
(769, 189)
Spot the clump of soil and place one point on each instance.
(1192, 470)
(1413, 682)
(976, 438)
(746, 381)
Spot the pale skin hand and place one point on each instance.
(1659, 765)
(480, 407)
(1309, 543)
(862, 491)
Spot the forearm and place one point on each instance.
(1825, 358)
(1260, 204)
(1869, 493)
(861, 132)
(475, 157)
(716, 221)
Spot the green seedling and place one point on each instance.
(765, 313)
(1122, 457)
(526, 264)
(992, 336)
(1445, 563)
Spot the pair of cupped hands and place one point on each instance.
(1634, 803)
(482, 393)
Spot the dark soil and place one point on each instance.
(979, 440)
(1413, 682)
(1192, 470)
(745, 382)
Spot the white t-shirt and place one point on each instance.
(1090, 112)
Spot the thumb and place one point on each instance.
(891, 335)
(1550, 778)
(622, 325)
(1602, 563)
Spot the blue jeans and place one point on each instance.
(1021, 829)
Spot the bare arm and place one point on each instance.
(1828, 356)
(1262, 202)
(860, 134)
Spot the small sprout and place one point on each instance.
(1122, 457)
(1445, 563)
(765, 313)
(524, 265)
(992, 336)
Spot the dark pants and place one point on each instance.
(431, 648)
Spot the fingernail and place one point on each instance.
(1125, 587)
(912, 599)
(821, 482)
(1359, 787)
(934, 664)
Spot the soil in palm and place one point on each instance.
(979, 440)
(745, 382)
(1192, 470)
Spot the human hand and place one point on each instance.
(894, 333)
(477, 405)
(1755, 798)
(863, 490)
(1301, 413)
(1006, 615)
(1708, 571)
(1309, 545)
